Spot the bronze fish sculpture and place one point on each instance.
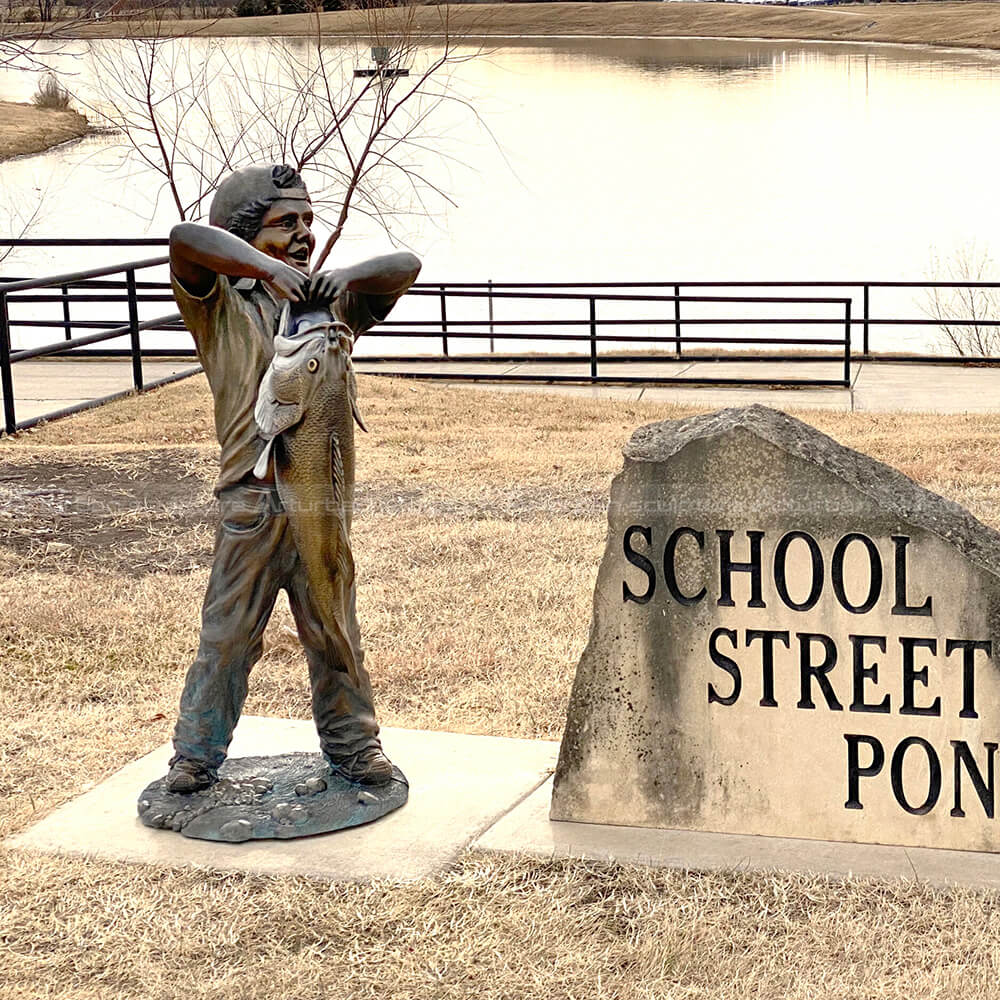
(306, 409)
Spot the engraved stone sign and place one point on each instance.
(789, 638)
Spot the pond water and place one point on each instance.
(644, 159)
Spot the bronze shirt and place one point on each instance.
(233, 326)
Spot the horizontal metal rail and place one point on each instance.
(9, 287)
(68, 297)
(87, 241)
(683, 321)
(771, 283)
(593, 332)
(170, 322)
(616, 379)
(60, 346)
(12, 291)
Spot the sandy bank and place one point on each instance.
(966, 24)
(27, 129)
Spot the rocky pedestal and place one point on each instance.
(265, 798)
(789, 638)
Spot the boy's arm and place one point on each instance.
(198, 254)
(386, 277)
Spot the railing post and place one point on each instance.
(677, 318)
(593, 338)
(444, 321)
(847, 343)
(489, 293)
(6, 378)
(67, 325)
(133, 325)
(864, 343)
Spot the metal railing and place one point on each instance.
(571, 332)
(860, 292)
(125, 291)
(591, 332)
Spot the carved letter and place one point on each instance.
(638, 559)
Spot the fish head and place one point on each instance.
(311, 350)
(303, 363)
(311, 346)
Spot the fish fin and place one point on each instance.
(337, 467)
(285, 319)
(260, 469)
(271, 414)
(344, 560)
(352, 392)
(276, 418)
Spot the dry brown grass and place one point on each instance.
(433, 443)
(939, 23)
(479, 529)
(492, 928)
(26, 128)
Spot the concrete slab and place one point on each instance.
(927, 388)
(606, 368)
(543, 368)
(459, 786)
(966, 868)
(527, 828)
(48, 384)
(826, 369)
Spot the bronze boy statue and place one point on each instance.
(230, 279)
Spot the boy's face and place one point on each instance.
(285, 233)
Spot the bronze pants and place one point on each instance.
(255, 557)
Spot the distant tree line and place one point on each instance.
(14, 11)
(260, 8)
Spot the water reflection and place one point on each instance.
(656, 159)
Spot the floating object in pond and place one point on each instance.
(380, 56)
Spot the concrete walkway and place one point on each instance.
(48, 384)
(45, 385)
(484, 792)
(876, 386)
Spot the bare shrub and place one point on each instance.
(51, 94)
(965, 312)
(365, 140)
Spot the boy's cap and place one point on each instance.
(247, 185)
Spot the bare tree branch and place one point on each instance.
(192, 111)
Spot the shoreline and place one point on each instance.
(26, 129)
(945, 24)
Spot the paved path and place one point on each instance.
(50, 384)
(876, 386)
(45, 385)
(503, 806)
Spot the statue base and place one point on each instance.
(271, 798)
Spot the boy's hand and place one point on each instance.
(325, 286)
(286, 282)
